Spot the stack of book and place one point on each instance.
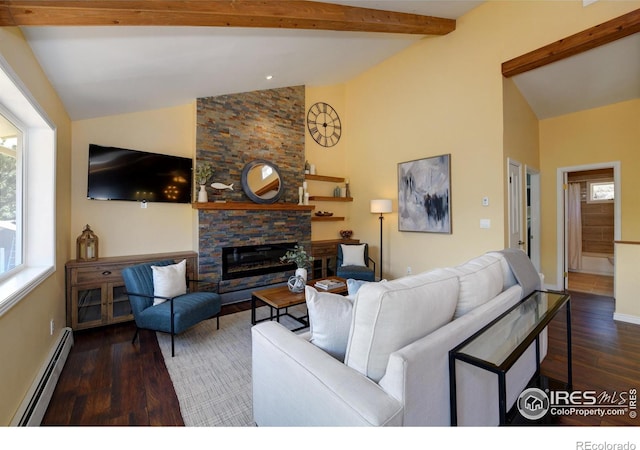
(329, 283)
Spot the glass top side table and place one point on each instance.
(497, 346)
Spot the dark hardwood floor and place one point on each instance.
(109, 381)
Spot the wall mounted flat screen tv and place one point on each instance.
(123, 174)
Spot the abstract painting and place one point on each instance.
(424, 195)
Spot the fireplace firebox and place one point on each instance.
(252, 260)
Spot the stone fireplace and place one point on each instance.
(233, 130)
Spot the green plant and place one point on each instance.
(298, 256)
(203, 172)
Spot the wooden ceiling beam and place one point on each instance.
(593, 37)
(308, 15)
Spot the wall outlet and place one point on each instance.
(408, 270)
(52, 327)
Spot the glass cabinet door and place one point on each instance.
(120, 306)
(89, 306)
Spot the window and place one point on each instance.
(27, 191)
(10, 196)
(600, 191)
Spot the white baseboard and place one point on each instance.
(626, 318)
(35, 403)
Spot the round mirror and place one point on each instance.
(261, 181)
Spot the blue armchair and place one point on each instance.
(360, 271)
(175, 314)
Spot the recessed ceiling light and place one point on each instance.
(268, 77)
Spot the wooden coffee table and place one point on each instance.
(281, 298)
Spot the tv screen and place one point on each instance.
(122, 174)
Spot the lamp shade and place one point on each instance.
(381, 206)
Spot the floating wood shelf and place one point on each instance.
(326, 219)
(330, 199)
(249, 206)
(324, 178)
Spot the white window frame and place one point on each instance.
(38, 189)
(591, 183)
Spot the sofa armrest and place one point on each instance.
(428, 403)
(297, 384)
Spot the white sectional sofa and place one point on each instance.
(388, 363)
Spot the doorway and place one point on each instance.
(588, 225)
(514, 192)
(524, 209)
(533, 215)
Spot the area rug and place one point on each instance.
(211, 369)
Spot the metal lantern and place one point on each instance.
(87, 245)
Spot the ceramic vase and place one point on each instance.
(202, 195)
(302, 273)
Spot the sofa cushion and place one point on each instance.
(329, 321)
(388, 316)
(481, 279)
(507, 275)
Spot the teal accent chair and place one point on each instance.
(356, 272)
(173, 316)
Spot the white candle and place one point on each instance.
(304, 185)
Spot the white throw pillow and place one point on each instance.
(329, 321)
(169, 281)
(353, 255)
(388, 316)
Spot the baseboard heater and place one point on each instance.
(37, 399)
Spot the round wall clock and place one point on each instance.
(324, 124)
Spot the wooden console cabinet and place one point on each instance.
(325, 256)
(96, 294)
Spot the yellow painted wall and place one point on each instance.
(600, 135)
(124, 228)
(445, 95)
(330, 161)
(627, 282)
(24, 330)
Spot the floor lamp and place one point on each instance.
(381, 206)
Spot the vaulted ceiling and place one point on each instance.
(111, 57)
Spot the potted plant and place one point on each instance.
(300, 258)
(203, 173)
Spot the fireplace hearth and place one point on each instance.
(252, 260)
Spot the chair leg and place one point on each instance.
(172, 330)
(135, 336)
(218, 322)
